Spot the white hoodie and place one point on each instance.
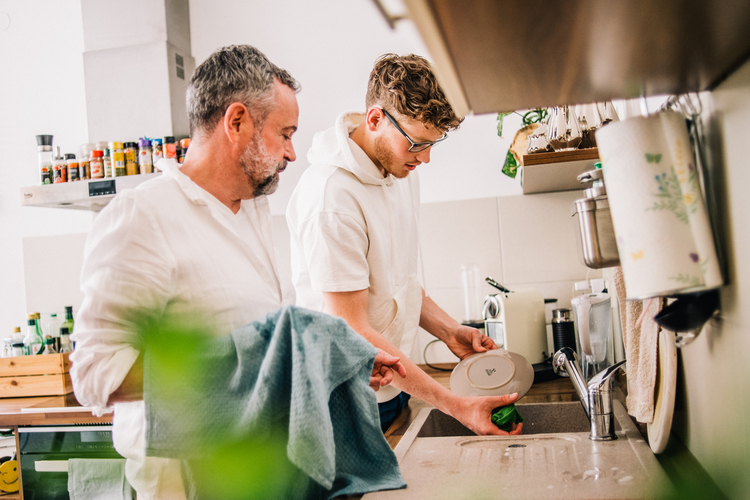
(352, 229)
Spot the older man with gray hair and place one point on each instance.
(195, 239)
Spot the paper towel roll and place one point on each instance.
(662, 228)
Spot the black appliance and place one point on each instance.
(44, 452)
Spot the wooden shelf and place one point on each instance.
(507, 55)
(556, 171)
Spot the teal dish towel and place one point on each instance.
(301, 371)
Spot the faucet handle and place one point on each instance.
(558, 360)
(605, 376)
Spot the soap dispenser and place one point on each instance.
(592, 316)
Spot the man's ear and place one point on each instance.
(237, 122)
(374, 118)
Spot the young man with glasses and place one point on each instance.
(353, 219)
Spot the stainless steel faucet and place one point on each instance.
(596, 396)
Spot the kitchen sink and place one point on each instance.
(538, 419)
(553, 459)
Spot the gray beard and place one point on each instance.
(255, 161)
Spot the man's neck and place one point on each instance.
(211, 168)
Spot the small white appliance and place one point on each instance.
(516, 322)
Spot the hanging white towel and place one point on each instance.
(661, 224)
(98, 479)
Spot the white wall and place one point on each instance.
(712, 413)
(330, 47)
(41, 92)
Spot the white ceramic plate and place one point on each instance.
(666, 383)
(493, 373)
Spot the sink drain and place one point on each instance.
(517, 446)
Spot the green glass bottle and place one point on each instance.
(68, 319)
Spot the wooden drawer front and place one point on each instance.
(35, 385)
(45, 364)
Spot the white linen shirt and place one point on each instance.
(171, 246)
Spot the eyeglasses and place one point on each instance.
(415, 147)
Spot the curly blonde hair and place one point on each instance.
(407, 85)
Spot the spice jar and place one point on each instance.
(73, 168)
(118, 159)
(107, 160)
(157, 152)
(145, 164)
(184, 143)
(44, 152)
(131, 158)
(97, 164)
(59, 166)
(84, 163)
(170, 147)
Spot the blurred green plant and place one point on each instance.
(510, 167)
(181, 360)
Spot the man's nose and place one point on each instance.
(424, 156)
(289, 154)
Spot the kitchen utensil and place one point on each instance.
(497, 285)
(687, 315)
(563, 131)
(492, 373)
(589, 121)
(516, 321)
(607, 112)
(596, 242)
(658, 429)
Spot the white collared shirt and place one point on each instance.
(171, 246)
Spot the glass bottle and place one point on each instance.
(564, 133)
(53, 328)
(39, 331)
(65, 344)
(49, 346)
(68, 320)
(32, 342)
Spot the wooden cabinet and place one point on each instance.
(505, 55)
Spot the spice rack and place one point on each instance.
(556, 171)
(90, 194)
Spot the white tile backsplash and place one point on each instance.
(457, 232)
(531, 237)
(537, 235)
